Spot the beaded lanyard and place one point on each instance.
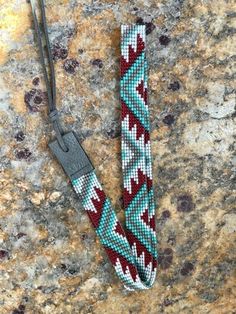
(131, 250)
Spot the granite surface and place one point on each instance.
(50, 258)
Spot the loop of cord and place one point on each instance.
(49, 79)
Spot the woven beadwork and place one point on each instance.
(132, 250)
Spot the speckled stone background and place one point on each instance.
(50, 258)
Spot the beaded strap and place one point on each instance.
(132, 250)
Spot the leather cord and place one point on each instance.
(49, 80)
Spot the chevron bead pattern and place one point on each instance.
(132, 250)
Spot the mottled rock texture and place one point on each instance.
(50, 258)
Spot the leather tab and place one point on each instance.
(75, 161)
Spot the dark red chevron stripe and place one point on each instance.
(98, 204)
(140, 89)
(152, 223)
(133, 120)
(145, 217)
(154, 264)
(133, 55)
(145, 95)
(149, 183)
(142, 178)
(114, 256)
(136, 186)
(149, 221)
(146, 137)
(119, 229)
(140, 247)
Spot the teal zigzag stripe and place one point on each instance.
(129, 93)
(109, 237)
(135, 223)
